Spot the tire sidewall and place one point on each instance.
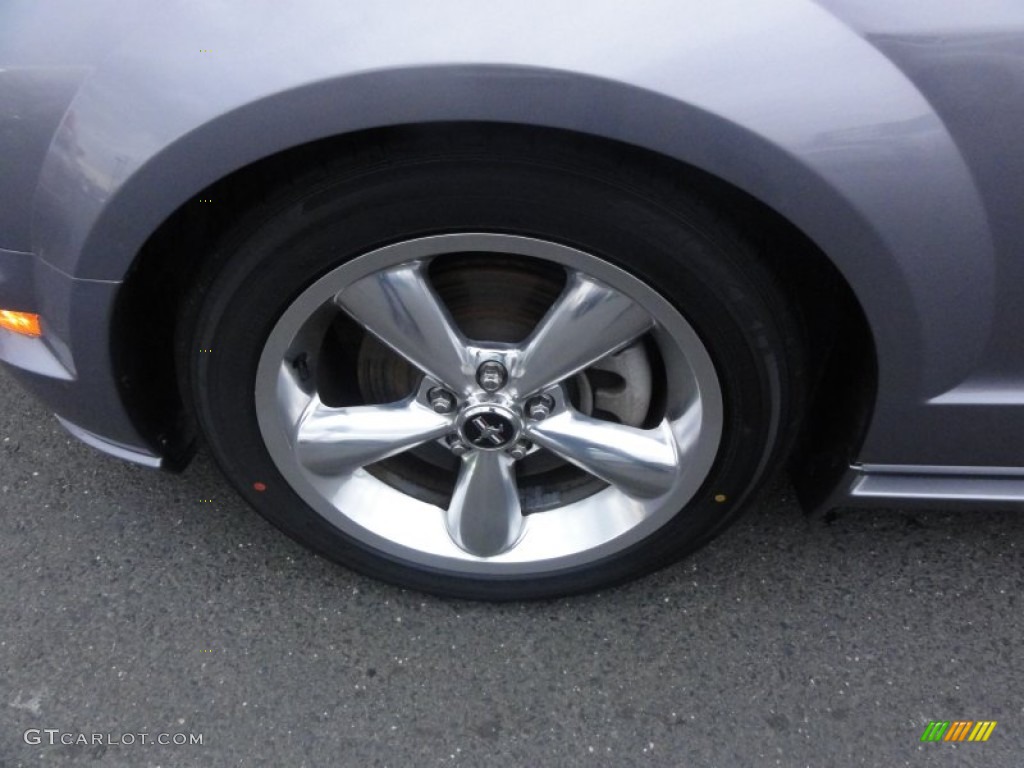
(700, 266)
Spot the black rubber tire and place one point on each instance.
(416, 183)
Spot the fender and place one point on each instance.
(779, 98)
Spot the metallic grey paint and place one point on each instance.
(888, 133)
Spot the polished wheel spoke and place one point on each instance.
(331, 441)
(400, 308)
(484, 517)
(642, 463)
(588, 322)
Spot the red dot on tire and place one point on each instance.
(261, 487)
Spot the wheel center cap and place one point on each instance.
(489, 427)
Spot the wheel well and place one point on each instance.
(837, 334)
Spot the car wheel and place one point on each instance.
(492, 371)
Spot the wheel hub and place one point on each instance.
(489, 427)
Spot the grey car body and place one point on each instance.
(888, 134)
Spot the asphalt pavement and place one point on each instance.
(134, 602)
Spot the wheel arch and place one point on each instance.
(145, 314)
(848, 154)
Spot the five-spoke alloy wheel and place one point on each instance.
(501, 372)
(493, 405)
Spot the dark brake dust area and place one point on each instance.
(128, 605)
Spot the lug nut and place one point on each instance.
(456, 446)
(441, 400)
(539, 408)
(491, 376)
(520, 449)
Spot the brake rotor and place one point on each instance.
(502, 299)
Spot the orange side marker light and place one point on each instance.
(24, 323)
